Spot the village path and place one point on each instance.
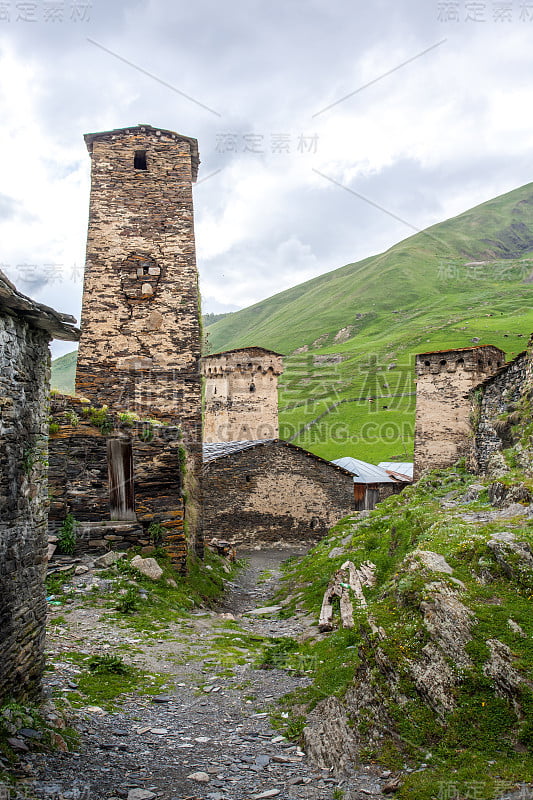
(211, 716)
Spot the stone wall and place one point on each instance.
(272, 492)
(444, 380)
(24, 382)
(241, 395)
(497, 397)
(141, 336)
(80, 479)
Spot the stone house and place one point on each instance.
(26, 328)
(241, 394)
(271, 491)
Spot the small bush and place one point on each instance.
(129, 602)
(67, 537)
(108, 664)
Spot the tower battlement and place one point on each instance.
(241, 395)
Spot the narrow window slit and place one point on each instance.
(139, 161)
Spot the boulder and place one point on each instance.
(148, 567)
(433, 561)
(108, 559)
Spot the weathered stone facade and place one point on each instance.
(241, 395)
(495, 398)
(141, 339)
(25, 330)
(140, 344)
(444, 380)
(272, 491)
(116, 476)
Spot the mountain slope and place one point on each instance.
(351, 334)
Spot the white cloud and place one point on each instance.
(442, 133)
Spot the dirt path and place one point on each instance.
(210, 720)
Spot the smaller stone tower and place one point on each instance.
(444, 379)
(241, 395)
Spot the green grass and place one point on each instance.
(106, 686)
(483, 745)
(146, 606)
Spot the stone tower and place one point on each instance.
(444, 379)
(241, 395)
(140, 343)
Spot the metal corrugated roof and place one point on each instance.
(403, 467)
(363, 472)
(213, 450)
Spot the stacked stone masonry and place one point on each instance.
(141, 338)
(443, 406)
(241, 395)
(25, 330)
(491, 401)
(81, 478)
(272, 492)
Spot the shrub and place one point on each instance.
(66, 538)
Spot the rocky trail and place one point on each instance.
(204, 729)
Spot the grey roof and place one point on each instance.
(214, 450)
(401, 467)
(362, 471)
(253, 348)
(58, 326)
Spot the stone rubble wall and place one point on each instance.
(496, 397)
(274, 492)
(79, 481)
(24, 385)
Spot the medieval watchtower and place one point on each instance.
(140, 341)
(241, 395)
(444, 379)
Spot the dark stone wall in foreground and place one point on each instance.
(24, 382)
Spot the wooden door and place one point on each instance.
(120, 471)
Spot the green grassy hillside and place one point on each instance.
(64, 373)
(350, 335)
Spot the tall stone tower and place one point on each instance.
(444, 379)
(140, 342)
(241, 395)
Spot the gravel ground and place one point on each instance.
(207, 734)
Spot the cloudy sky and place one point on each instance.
(328, 129)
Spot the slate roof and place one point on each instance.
(401, 468)
(212, 451)
(58, 326)
(362, 471)
(252, 348)
(459, 350)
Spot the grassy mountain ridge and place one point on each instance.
(351, 335)
(500, 229)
